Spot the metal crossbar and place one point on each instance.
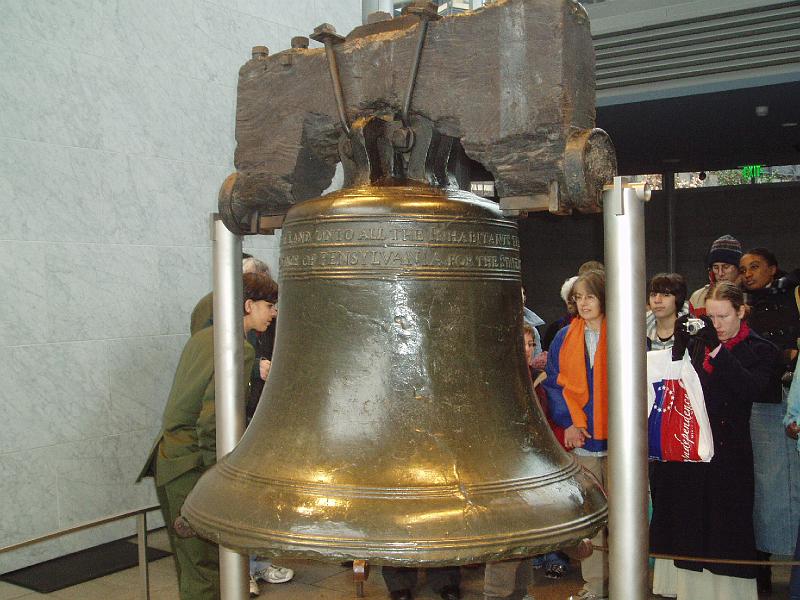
(722, 561)
(141, 540)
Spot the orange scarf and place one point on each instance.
(572, 377)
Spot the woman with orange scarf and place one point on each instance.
(577, 395)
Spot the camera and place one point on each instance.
(693, 326)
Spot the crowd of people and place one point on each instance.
(720, 518)
(742, 505)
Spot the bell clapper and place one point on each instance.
(360, 575)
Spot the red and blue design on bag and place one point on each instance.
(672, 426)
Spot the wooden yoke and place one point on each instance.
(511, 84)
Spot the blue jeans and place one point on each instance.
(794, 582)
(258, 565)
(545, 560)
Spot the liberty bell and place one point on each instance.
(398, 423)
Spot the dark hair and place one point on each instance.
(669, 283)
(258, 286)
(725, 290)
(595, 282)
(766, 255)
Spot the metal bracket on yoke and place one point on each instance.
(426, 12)
(326, 34)
(614, 193)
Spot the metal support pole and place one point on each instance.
(623, 219)
(370, 6)
(229, 386)
(141, 542)
(668, 185)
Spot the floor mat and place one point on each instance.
(75, 568)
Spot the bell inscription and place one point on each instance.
(320, 249)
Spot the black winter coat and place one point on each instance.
(706, 509)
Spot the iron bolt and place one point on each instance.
(300, 41)
(260, 52)
(422, 9)
(325, 34)
(378, 16)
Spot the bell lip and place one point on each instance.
(309, 540)
(402, 199)
(450, 551)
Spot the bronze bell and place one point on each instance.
(398, 423)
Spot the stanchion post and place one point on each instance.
(141, 543)
(370, 6)
(229, 387)
(623, 219)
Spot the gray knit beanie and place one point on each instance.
(726, 249)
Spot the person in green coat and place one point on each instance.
(203, 312)
(186, 446)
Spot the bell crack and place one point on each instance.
(470, 507)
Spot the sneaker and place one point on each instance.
(555, 571)
(254, 589)
(585, 594)
(273, 574)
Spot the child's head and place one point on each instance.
(530, 343)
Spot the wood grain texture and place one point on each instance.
(512, 81)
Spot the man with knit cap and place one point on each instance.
(723, 265)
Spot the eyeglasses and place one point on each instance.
(723, 268)
(581, 297)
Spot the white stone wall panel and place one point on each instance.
(116, 130)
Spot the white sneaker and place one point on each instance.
(273, 574)
(585, 594)
(254, 589)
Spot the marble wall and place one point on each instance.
(116, 131)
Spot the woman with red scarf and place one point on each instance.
(577, 395)
(705, 510)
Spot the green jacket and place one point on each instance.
(202, 314)
(188, 435)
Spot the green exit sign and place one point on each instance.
(751, 171)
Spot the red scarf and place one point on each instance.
(744, 331)
(572, 377)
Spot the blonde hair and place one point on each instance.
(725, 290)
(591, 265)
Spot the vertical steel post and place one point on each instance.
(141, 542)
(370, 6)
(668, 185)
(229, 386)
(623, 219)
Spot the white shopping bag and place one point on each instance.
(677, 425)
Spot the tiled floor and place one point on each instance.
(312, 581)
